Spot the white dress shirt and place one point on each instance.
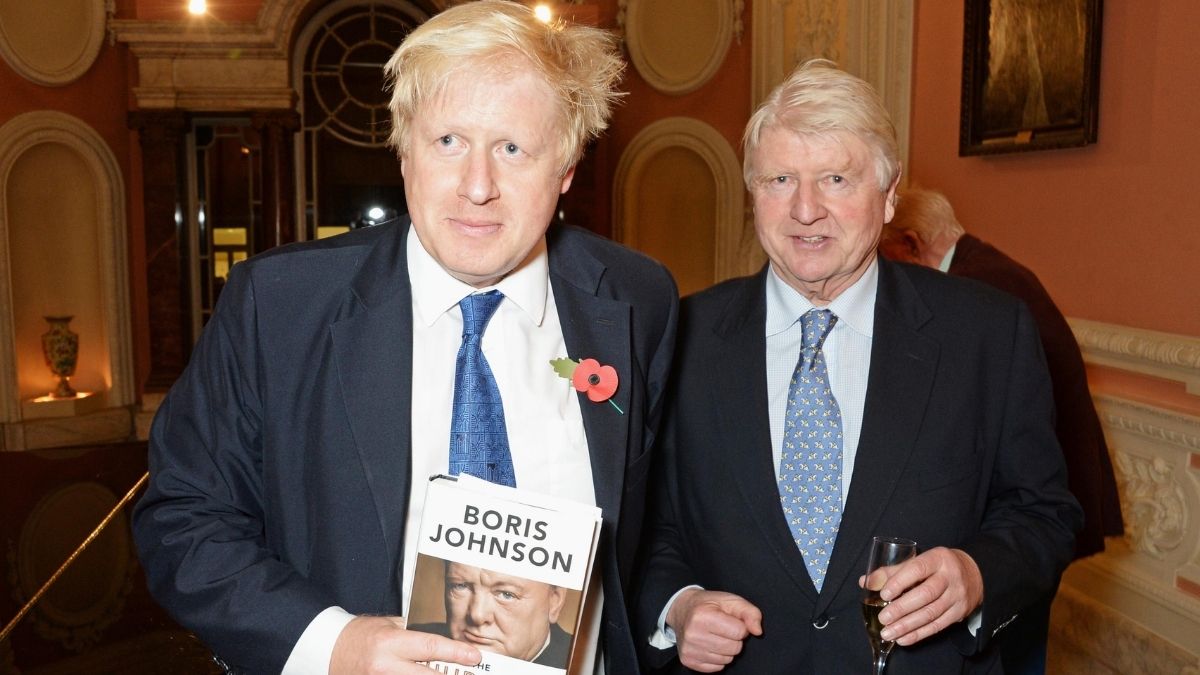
(541, 411)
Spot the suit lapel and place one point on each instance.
(903, 363)
(598, 328)
(373, 355)
(741, 403)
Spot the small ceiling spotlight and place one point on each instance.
(542, 12)
(375, 213)
(197, 7)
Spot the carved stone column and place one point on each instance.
(275, 129)
(161, 136)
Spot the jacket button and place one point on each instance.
(821, 622)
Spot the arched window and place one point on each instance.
(348, 178)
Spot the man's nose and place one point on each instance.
(480, 609)
(807, 205)
(479, 179)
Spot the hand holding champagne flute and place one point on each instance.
(885, 552)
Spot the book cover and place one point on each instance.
(505, 570)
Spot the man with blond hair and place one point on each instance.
(836, 396)
(289, 462)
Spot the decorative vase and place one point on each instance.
(61, 349)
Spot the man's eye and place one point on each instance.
(511, 149)
(780, 179)
(507, 595)
(446, 140)
(837, 179)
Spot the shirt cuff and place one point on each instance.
(975, 620)
(664, 637)
(314, 649)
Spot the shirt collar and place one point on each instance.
(854, 307)
(948, 258)
(435, 291)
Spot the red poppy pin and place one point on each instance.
(589, 377)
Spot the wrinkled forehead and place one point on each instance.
(781, 147)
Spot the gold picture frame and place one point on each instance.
(1031, 75)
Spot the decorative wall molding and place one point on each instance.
(1138, 578)
(678, 45)
(1088, 637)
(105, 426)
(26, 27)
(1174, 357)
(1154, 503)
(722, 163)
(17, 136)
(1152, 450)
(873, 41)
(207, 65)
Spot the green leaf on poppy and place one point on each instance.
(564, 367)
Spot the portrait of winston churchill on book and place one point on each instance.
(499, 613)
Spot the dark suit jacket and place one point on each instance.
(555, 654)
(280, 459)
(1089, 468)
(957, 449)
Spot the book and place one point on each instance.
(506, 570)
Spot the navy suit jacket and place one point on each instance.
(957, 449)
(1089, 468)
(279, 461)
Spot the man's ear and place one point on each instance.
(558, 598)
(566, 180)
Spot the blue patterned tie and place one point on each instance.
(810, 469)
(478, 437)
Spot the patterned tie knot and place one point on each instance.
(477, 310)
(815, 325)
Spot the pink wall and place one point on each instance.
(1112, 229)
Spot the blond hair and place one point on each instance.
(818, 99)
(580, 64)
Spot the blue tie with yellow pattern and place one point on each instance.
(478, 436)
(810, 468)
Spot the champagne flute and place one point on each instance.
(885, 552)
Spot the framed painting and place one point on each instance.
(1031, 75)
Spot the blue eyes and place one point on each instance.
(510, 149)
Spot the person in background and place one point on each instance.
(289, 462)
(925, 231)
(836, 396)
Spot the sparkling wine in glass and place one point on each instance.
(885, 552)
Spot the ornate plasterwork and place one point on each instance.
(716, 154)
(75, 30)
(1175, 357)
(1151, 450)
(678, 45)
(208, 65)
(869, 38)
(105, 567)
(1154, 504)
